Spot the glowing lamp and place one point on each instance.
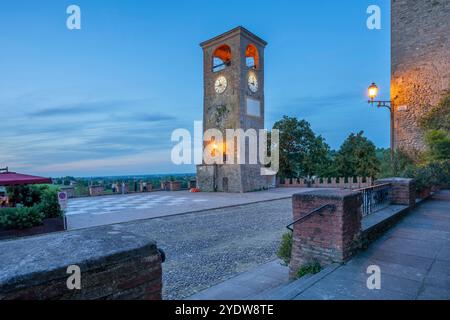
(373, 91)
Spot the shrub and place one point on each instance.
(25, 195)
(423, 178)
(432, 174)
(285, 249)
(438, 142)
(311, 268)
(49, 205)
(20, 218)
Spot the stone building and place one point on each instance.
(420, 65)
(233, 99)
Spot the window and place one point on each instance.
(252, 57)
(253, 108)
(221, 58)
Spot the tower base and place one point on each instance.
(231, 178)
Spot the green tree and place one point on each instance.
(438, 142)
(302, 153)
(357, 157)
(395, 164)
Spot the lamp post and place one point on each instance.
(373, 93)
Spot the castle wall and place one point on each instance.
(420, 64)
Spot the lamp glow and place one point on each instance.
(373, 91)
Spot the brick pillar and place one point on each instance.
(403, 190)
(328, 236)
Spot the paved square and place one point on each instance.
(97, 211)
(103, 205)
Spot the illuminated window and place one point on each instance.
(221, 58)
(252, 57)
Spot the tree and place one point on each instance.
(357, 157)
(396, 163)
(438, 142)
(302, 153)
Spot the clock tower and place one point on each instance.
(233, 99)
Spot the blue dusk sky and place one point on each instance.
(105, 99)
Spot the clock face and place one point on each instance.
(253, 82)
(221, 84)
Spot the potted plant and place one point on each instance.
(424, 182)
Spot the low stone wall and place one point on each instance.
(114, 264)
(344, 183)
(335, 235)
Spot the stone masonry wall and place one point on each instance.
(115, 264)
(420, 64)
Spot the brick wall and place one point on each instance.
(174, 185)
(329, 236)
(115, 264)
(403, 190)
(420, 64)
(95, 191)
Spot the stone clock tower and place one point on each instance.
(233, 99)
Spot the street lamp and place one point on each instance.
(373, 93)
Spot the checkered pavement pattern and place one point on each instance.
(103, 205)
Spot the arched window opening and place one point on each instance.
(252, 57)
(221, 58)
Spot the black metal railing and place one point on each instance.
(331, 207)
(376, 198)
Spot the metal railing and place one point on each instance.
(320, 209)
(376, 198)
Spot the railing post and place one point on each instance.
(403, 190)
(325, 237)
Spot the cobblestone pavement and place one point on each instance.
(206, 248)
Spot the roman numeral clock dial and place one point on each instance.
(221, 84)
(253, 83)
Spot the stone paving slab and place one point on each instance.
(105, 210)
(247, 284)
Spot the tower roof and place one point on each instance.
(233, 32)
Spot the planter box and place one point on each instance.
(145, 188)
(174, 185)
(425, 193)
(95, 191)
(70, 192)
(49, 226)
(165, 185)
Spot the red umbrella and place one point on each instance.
(13, 179)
